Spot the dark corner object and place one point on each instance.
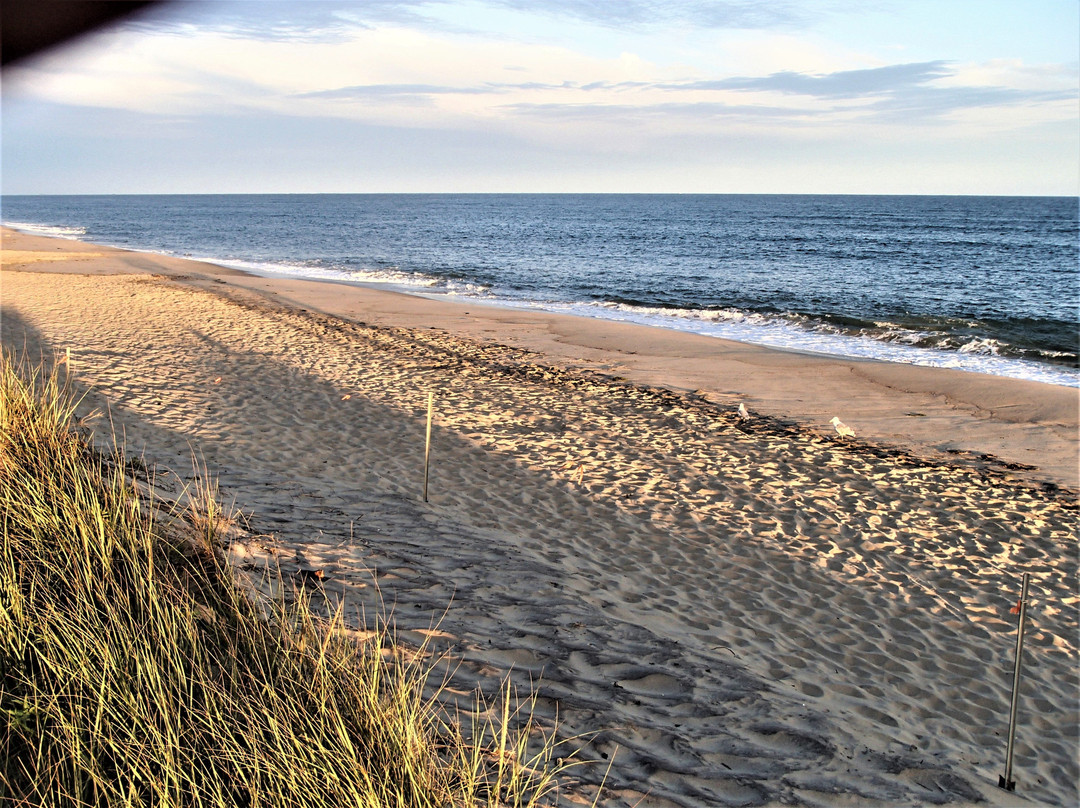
(29, 26)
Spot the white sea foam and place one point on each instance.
(392, 277)
(986, 346)
(72, 233)
(777, 331)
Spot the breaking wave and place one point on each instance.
(73, 233)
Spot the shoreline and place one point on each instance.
(896, 339)
(735, 613)
(773, 336)
(1032, 428)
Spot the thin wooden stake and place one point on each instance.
(1006, 782)
(427, 443)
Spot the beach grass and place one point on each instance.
(134, 670)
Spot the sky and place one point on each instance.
(583, 96)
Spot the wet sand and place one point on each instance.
(752, 612)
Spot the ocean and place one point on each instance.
(986, 284)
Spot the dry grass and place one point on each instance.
(134, 670)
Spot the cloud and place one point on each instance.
(572, 85)
(384, 90)
(413, 94)
(613, 113)
(842, 84)
(326, 21)
(639, 14)
(914, 89)
(335, 20)
(933, 102)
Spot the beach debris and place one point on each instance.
(842, 429)
(573, 464)
(743, 412)
(346, 397)
(311, 575)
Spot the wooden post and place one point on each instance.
(427, 443)
(1005, 781)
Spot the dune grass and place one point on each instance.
(134, 671)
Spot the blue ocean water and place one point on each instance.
(989, 284)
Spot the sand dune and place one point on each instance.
(750, 612)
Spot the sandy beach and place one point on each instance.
(743, 611)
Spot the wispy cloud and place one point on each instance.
(613, 113)
(667, 13)
(842, 84)
(923, 90)
(387, 90)
(334, 20)
(302, 21)
(265, 22)
(926, 103)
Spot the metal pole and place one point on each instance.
(427, 443)
(1006, 782)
